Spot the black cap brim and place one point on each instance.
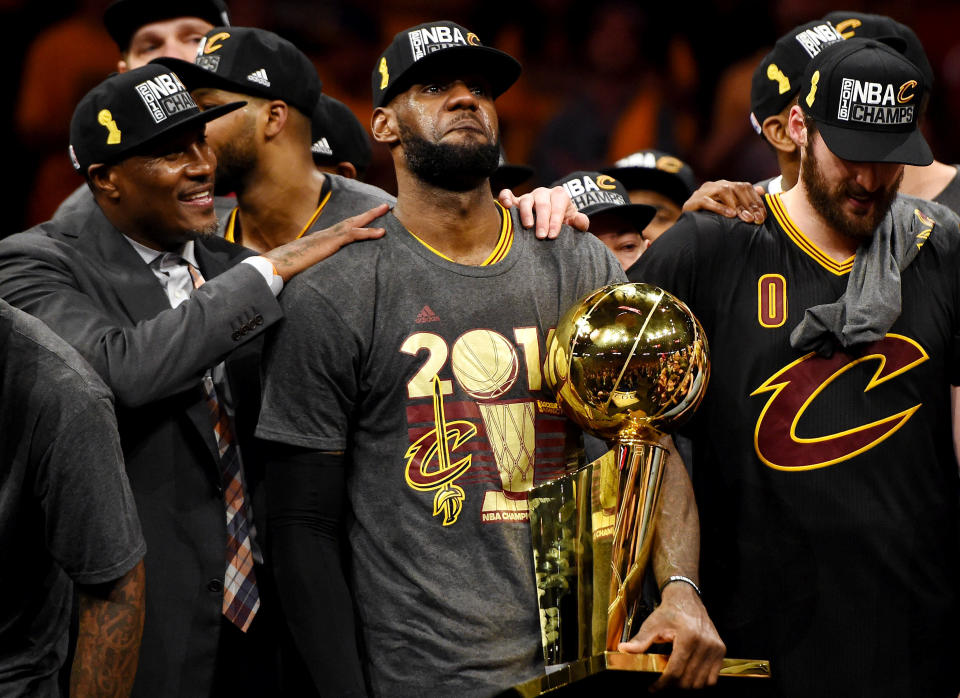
(194, 77)
(637, 216)
(875, 146)
(499, 68)
(198, 119)
(124, 18)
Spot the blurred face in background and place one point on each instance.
(177, 37)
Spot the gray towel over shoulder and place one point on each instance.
(871, 303)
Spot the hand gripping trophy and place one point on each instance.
(626, 363)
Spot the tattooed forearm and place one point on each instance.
(111, 623)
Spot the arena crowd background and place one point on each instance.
(601, 79)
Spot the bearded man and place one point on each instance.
(824, 470)
(409, 378)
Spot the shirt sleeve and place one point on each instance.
(91, 524)
(307, 402)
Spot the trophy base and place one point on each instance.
(615, 671)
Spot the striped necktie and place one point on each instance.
(241, 598)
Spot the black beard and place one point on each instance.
(452, 167)
(829, 203)
(234, 161)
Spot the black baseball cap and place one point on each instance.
(865, 97)
(887, 30)
(438, 45)
(603, 198)
(130, 110)
(776, 79)
(657, 171)
(123, 18)
(252, 62)
(338, 136)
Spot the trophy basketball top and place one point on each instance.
(627, 362)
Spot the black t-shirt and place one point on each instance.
(827, 488)
(66, 511)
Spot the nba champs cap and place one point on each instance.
(130, 110)
(602, 197)
(123, 18)
(656, 171)
(776, 80)
(887, 30)
(865, 98)
(338, 135)
(438, 45)
(252, 62)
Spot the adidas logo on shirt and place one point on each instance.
(259, 77)
(322, 147)
(426, 315)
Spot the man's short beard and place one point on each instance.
(829, 203)
(206, 231)
(451, 167)
(235, 160)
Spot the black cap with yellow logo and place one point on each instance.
(603, 198)
(442, 45)
(655, 170)
(252, 62)
(128, 111)
(865, 97)
(776, 80)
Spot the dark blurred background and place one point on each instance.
(601, 78)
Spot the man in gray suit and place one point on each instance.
(170, 316)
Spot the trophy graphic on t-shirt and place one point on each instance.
(486, 366)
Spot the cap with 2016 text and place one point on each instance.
(439, 46)
(865, 98)
(131, 110)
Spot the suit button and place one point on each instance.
(235, 336)
(259, 320)
(215, 585)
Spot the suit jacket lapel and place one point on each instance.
(142, 297)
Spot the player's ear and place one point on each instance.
(775, 131)
(796, 126)
(347, 169)
(103, 180)
(274, 117)
(383, 125)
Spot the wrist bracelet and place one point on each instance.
(680, 578)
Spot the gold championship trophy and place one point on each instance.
(626, 362)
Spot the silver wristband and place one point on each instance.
(680, 578)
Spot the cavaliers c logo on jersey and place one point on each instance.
(797, 385)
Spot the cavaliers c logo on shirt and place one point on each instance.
(797, 385)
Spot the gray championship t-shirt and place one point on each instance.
(66, 511)
(427, 373)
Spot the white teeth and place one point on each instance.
(198, 195)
